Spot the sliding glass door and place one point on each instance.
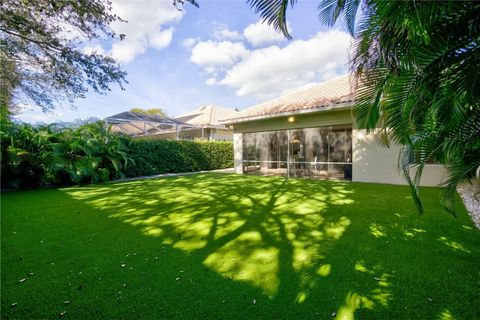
(309, 152)
(265, 152)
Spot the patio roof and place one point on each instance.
(139, 124)
(332, 93)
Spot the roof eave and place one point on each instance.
(339, 106)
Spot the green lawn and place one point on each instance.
(219, 246)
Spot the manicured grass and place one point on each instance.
(219, 246)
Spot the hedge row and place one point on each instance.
(50, 156)
(165, 156)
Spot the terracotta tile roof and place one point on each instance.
(326, 94)
(208, 115)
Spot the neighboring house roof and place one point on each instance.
(207, 116)
(323, 95)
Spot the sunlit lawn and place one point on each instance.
(219, 246)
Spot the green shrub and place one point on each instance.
(91, 154)
(36, 156)
(165, 156)
(25, 153)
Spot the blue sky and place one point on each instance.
(217, 54)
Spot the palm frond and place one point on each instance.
(274, 12)
(405, 168)
(329, 11)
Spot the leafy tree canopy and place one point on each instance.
(40, 51)
(156, 111)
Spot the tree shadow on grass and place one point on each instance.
(234, 246)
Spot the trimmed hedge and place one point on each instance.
(165, 156)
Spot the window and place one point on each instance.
(414, 157)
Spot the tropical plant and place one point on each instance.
(90, 154)
(416, 65)
(25, 153)
(48, 155)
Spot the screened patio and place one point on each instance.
(138, 124)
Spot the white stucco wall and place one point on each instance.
(221, 135)
(375, 163)
(237, 152)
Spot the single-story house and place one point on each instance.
(311, 133)
(206, 124)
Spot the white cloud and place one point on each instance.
(259, 34)
(214, 56)
(148, 25)
(162, 39)
(127, 50)
(221, 32)
(211, 81)
(268, 72)
(189, 42)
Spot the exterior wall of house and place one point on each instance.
(221, 135)
(238, 152)
(371, 162)
(375, 163)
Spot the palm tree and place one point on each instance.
(416, 65)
